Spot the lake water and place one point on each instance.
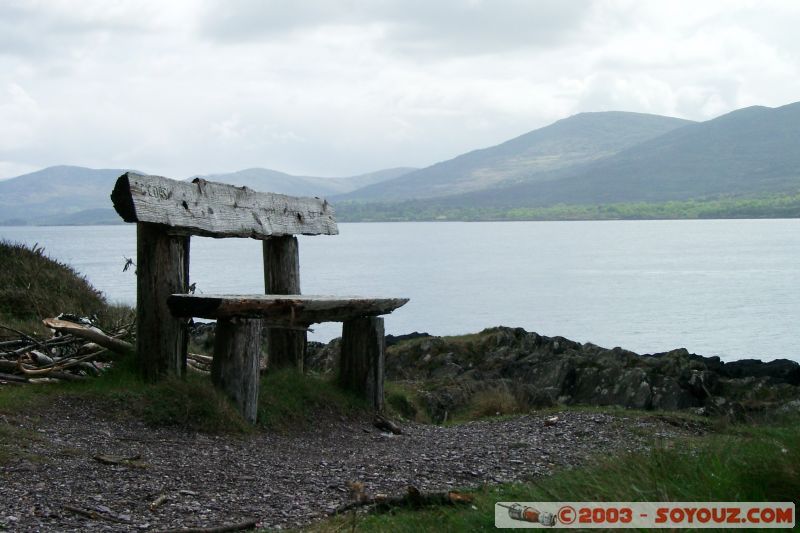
(719, 287)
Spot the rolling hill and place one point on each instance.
(590, 159)
(579, 139)
(748, 152)
(71, 195)
(56, 195)
(262, 179)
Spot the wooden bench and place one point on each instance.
(167, 214)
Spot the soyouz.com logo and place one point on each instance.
(654, 515)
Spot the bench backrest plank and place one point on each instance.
(213, 209)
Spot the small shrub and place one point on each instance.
(401, 404)
(494, 402)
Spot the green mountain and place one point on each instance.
(749, 152)
(580, 139)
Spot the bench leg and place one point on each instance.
(162, 268)
(235, 369)
(361, 364)
(285, 347)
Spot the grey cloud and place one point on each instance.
(28, 29)
(446, 26)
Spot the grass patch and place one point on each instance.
(494, 402)
(287, 400)
(192, 404)
(403, 401)
(757, 462)
(290, 399)
(14, 442)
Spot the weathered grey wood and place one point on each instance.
(287, 310)
(234, 370)
(162, 269)
(282, 276)
(362, 361)
(214, 209)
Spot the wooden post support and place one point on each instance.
(162, 268)
(235, 368)
(362, 360)
(285, 348)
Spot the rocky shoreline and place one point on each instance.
(539, 371)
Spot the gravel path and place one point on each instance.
(280, 480)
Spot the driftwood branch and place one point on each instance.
(57, 374)
(91, 334)
(241, 526)
(12, 378)
(384, 424)
(205, 359)
(134, 461)
(158, 502)
(73, 353)
(412, 498)
(94, 515)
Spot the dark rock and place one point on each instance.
(391, 340)
(544, 371)
(779, 370)
(540, 371)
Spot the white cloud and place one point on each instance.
(186, 87)
(20, 118)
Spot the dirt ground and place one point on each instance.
(176, 479)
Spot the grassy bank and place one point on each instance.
(34, 286)
(775, 206)
(290, 401)
(746, 463)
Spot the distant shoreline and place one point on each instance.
(781, 206)
(784, 206)
(446, 220)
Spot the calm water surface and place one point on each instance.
(719, 287)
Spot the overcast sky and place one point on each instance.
(336, 88)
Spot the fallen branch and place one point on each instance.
(383, 423)
(12, 378)
(205, 359)
(53, 373)
(194, 367)
(88, 513)
(61, 365)
(134, 461)
(412, 498)
(241, 526)
(158, 502)
(90, 334)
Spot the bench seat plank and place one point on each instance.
(281, 310)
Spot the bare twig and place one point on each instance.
(158, 502)
(88, 513)
(134, 460)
